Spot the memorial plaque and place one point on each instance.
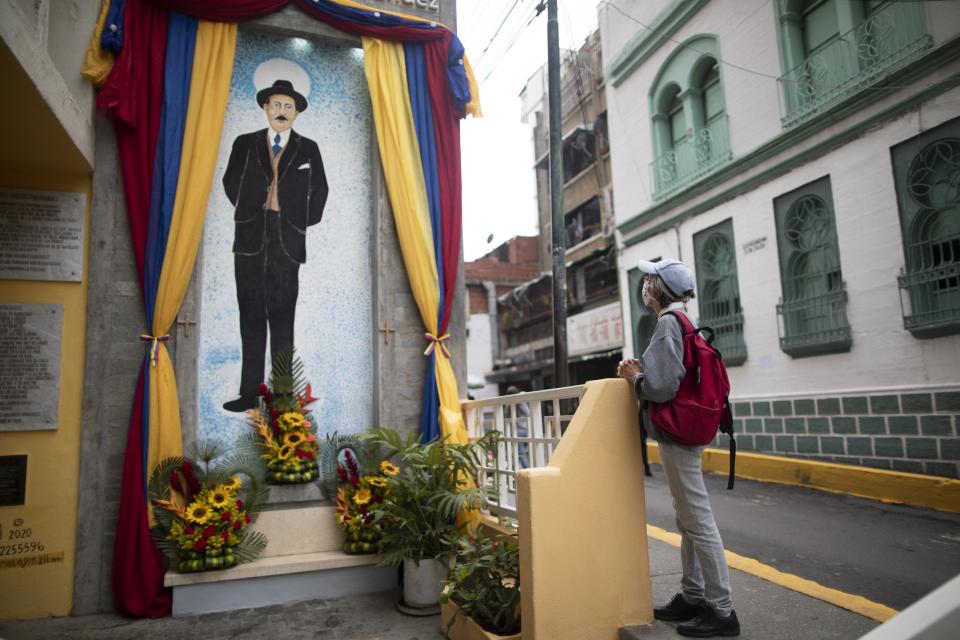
(41, 235)
(13, 480)
(29, 366)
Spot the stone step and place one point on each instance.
(279, 579)
(299, 529)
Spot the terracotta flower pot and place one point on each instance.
(464, 628)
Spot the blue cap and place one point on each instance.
(675, 275)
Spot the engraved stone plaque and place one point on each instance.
(41, 235)
(29, 366)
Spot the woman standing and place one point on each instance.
(703, 605)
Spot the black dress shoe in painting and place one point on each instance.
(710, 624)
(241, 404)
(678, 610)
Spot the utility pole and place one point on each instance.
(559, 236)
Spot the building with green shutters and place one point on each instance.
(803, 156)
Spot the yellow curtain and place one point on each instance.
(97, 63)
(209, 89)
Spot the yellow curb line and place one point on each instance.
(897, 487)
(850, 602)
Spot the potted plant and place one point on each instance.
(418, 516)
(481, 598)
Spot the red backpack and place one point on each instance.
(701, 405)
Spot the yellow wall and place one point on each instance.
(38, 154)
(583, 539)
(53, 463)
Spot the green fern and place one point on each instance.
(251, 546)
(286, 374)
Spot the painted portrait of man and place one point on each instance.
(276, 182)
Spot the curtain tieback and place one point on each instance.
(436, 342)
(154, 345)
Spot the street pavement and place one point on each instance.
(891, 554)
(888, 553)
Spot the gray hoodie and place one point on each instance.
(662, 365)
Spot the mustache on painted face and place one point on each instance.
(281, 117)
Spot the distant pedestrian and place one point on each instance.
(522, 428)
(703, 605)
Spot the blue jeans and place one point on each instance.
(705, 573)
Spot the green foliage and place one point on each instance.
(328, 456)
(485, 583)
(418, 516)
(287, 380)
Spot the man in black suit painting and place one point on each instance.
(276, 183)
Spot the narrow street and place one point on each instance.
(891, 554)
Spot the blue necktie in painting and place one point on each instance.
(276, 145)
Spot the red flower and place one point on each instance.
(175, 483)
(378, 498)
(200, 545)
(246, 518)
(189, 531)
(264, 390)
(236, 525)
(186, 467)
(225, 517)
(342, 473)
(311, 455)
(224, 535)
(209, 531)
(300, 453)
(239, 504)
(364, 510)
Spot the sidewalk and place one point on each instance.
(766, 612)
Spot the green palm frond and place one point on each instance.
(251, 546)
(286, 374)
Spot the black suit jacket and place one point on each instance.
(301, 190)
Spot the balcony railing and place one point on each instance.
(728, 336)
(531, 425)
(815, 325)
(883, 43)
(933, 296)
(691, 158)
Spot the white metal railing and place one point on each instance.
(531, 424)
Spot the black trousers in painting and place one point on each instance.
(268, 284)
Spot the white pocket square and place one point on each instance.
(305, 165)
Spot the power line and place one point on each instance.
(513, 40)
(496, 31)
(805, 83)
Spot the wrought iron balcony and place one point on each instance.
(933, 296)
(693, 157)
(728, 335)
(815, 325)
(883, 43)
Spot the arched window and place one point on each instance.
(928, 186)
(814, 306)
(719, 290)
(688, 116)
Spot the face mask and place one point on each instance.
(645, 294)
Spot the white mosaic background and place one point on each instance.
(334, 309)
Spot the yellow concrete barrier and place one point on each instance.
(583, 536)
(898, 487)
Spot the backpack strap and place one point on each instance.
(643, 442)
(685, 325)
(726, 426)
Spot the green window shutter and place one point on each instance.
(820, 25)
(813, 309)
(642, 320)
(713, 106)
(718, 288)
(927, 175)
(678, 127)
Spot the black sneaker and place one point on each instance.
(710, 624)
(678, 610)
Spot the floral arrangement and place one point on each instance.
(485, 582)
(357, 498)
(203, 514)
(283, 432)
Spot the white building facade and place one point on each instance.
(804, 158)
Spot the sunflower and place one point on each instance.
(293, 438)
(198, 513)
(377, 481)
(291, 420)
(389, 469)
(232, 483)
(285, 452)
(362, 496)
(219, 498)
